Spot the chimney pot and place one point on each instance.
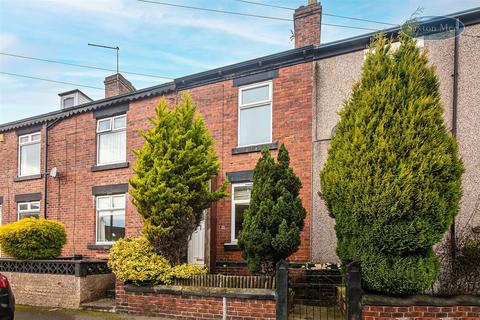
(307, 24)
(117, 84)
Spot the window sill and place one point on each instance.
(25, 178)
(99, 246)
(231, 247)
(112, 166)
(255, 148)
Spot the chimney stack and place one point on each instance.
(116, 84)
(307, 21)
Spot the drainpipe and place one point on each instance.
(46, 173)
(453, 240)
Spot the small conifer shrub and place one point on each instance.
(273, 222)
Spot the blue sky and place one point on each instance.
(154, 39)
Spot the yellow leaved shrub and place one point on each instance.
(134, 260)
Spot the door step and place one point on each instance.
(102, 305)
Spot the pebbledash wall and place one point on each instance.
(333, 81)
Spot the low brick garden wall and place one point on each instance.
(57, 283)
(186, 302)
(376, 307)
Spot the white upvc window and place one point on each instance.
(255, 114)
(29, 154)
(28, 210)
(111, 140)
(240, 201)
(110, 218)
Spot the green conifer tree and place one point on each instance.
(171, 185)
(392, 179)
(273, 222)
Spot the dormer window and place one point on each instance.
(68, 102)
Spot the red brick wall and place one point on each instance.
(186, 306)
(72, 149)
(420, 312)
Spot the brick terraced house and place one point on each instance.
(73, 164)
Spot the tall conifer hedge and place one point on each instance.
(392, 179)
(171, 186)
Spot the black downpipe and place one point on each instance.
(46, 173)
(453, 240)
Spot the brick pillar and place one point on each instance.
(307, 23)
(116, 84)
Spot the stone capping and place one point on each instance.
(29, 129)
(110, 189)
(258, 294)
(26, 197)
(420, 300)
(240, 176)
(254, 78)
(111, 111)
(103, 167)
(255, 148)
(73, 267)
(26, 178)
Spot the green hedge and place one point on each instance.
(392, 179)
(33, 238)
(134, 260)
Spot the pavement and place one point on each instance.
(42, 313)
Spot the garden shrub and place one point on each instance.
(273, 222)
(33, 238)
(135, 260)
(173, 171)
(392, 179)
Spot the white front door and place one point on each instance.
(196, 245)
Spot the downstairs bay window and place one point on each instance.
(110, 218)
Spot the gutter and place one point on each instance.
(45, 166)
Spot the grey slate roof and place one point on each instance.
(266, 63)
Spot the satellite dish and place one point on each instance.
(53, 172)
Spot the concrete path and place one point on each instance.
(41, 313)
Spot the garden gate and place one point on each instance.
(323, 294)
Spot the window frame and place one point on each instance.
(29, 209)
(107, 131)
(251, 105)
(111, 209)
(29, 143)
(234, 240)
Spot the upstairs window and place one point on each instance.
(110, 218)
(255, 114)
(28, 210)
(111, 140)
(29, 154)
(240, 202)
